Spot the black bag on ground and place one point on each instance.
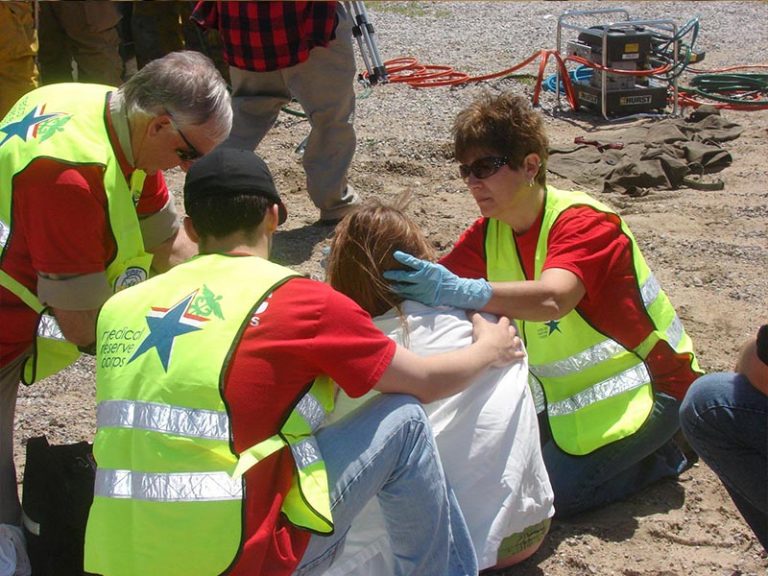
(57, 495)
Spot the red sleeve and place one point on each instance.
(589, 244)
(304, 329)
(154, 195)
(348, 346)
(467, 259)
(63, 212)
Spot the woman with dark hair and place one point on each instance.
(487, 435)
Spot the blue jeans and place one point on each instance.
(725, 420)
(620, 469)
(385, 449)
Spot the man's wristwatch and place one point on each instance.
(762, 343)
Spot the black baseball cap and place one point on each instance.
(230, 171)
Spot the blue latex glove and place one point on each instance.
(434, 285)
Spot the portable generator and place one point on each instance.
(618, 47)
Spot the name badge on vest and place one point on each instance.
(132, 276)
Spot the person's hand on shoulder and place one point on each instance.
(434, 285)
(501, 335)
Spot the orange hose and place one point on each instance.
(685, 100)
(728, 69)
(408, 70)
(596, 66)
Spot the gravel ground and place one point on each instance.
(484, 37)
(707, 248)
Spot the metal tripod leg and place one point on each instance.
(364, 33)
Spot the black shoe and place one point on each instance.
(682, 444)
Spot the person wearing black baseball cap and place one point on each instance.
(230, 370)
(228, 174)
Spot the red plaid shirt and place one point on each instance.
(265, 36)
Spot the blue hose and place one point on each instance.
(580, 74)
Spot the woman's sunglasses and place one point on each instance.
(483, 167)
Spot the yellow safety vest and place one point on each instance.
(594, 390)
(169, 493)
(62, 121)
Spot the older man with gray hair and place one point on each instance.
(85, 212)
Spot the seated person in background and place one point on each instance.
(211, 384)
(487, 435)
(724, 416)
(608, 356)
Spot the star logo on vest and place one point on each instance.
(549, 328)
(32, 124)
(167, 324)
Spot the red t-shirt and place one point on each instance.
(303, 329)
(591, 245)
(60, 226)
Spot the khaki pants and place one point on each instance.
(85, 32)
(18, 46)
(324, 86)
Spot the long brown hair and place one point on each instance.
(361, 251)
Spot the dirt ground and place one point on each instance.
(709, 250)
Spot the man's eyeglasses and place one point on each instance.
(184, 155)
(483, 167)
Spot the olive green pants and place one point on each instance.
(18, 47)
(85, 32)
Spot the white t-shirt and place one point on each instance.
(488, 439)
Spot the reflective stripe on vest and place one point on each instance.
(595, 391)
(650, 290)
(70, 127)
(5, 232)
(170, 481)
(628, 380)
(205, 424)
(617, 384)
(188, 422)
(305, 450)
(311, 410)
(539, 400)
(49, 328)
(172, 487)
(593, 356)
